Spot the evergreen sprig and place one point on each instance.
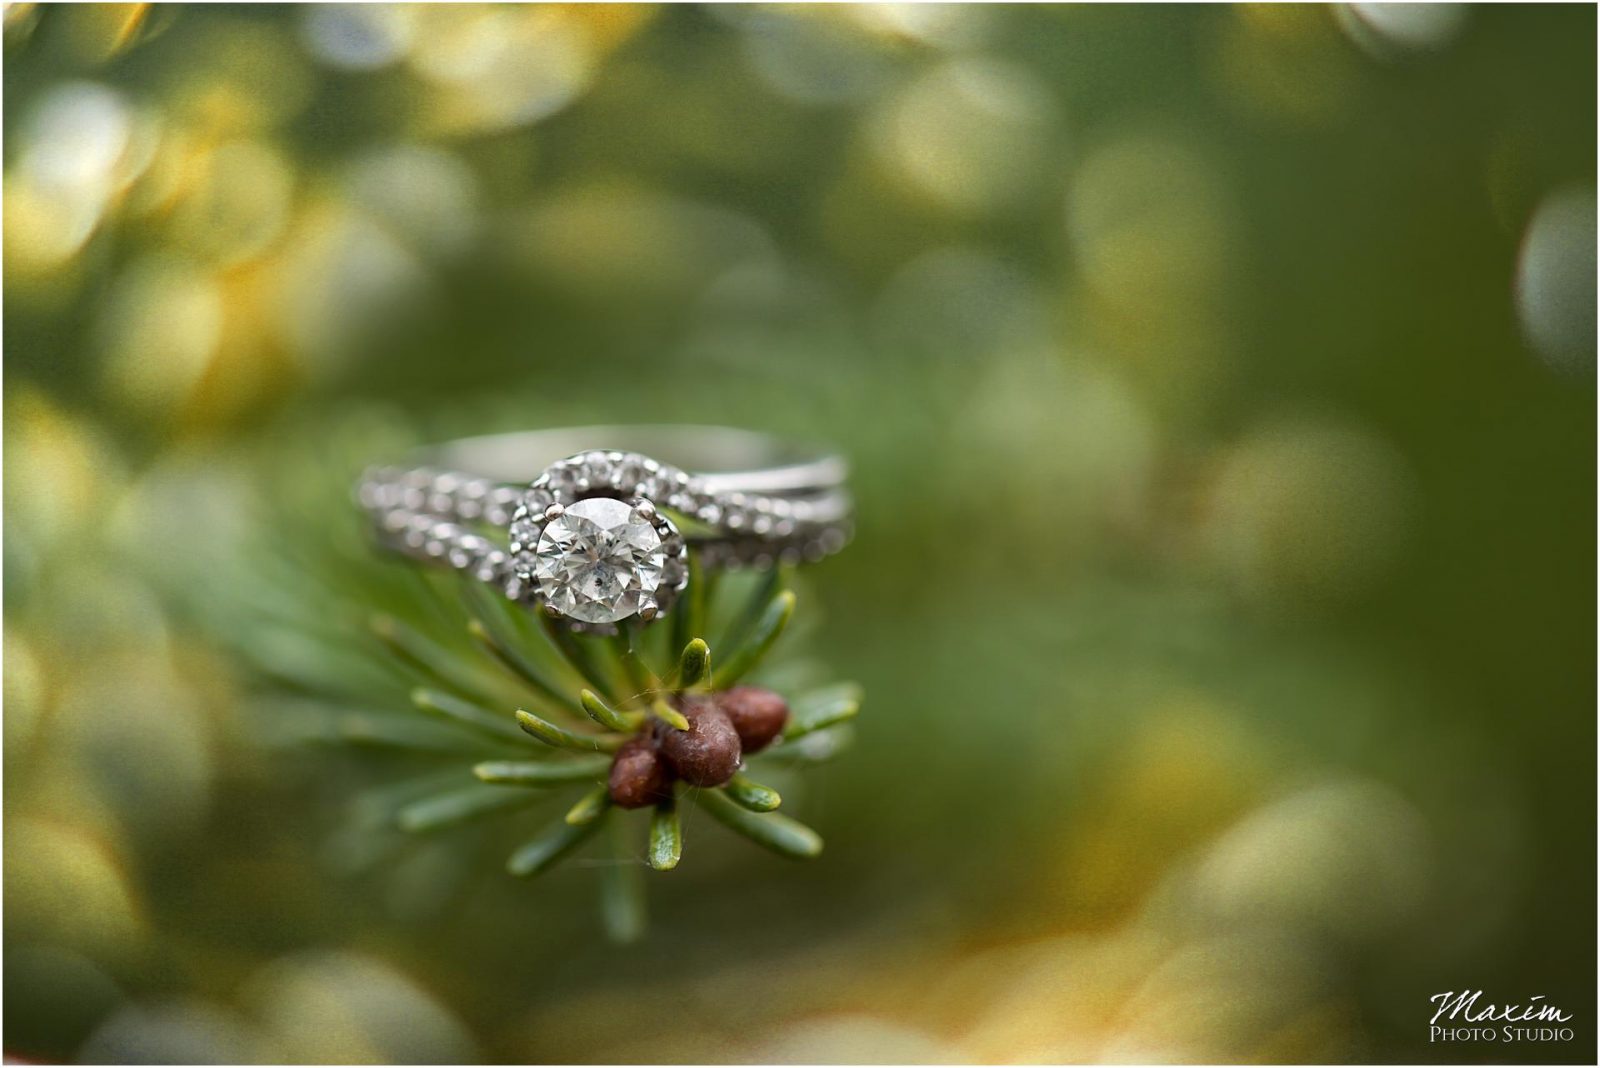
(497, 707)
(530, 709)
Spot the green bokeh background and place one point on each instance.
(1219, 388)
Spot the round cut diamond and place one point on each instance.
(598, 559)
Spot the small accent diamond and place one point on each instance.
(524, 532)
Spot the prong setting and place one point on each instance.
(650, 565)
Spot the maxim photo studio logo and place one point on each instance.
(1469, 1016)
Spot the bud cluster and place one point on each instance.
(723, 729)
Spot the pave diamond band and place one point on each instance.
(601, 534)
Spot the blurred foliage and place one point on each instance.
(1219, 385)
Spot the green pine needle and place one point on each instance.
(822, 709)
(299, 661)
(505, 654)
(779, 833)
(666, 837)
(590, 807)
(758, 643)
(388, 731)
(639, 677)
(458, 806)
(694, 664)
(465, 713)
(819, 747)
(576, 652)
(669, 715)
(609, 718)
(542, 772)
(757, 595)
(543, 851)
(561, 738)
(622, 901)
(689, 617)
(426, 658)
(748, 793)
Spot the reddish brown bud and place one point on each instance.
(639, 774)
(758, 715)
(708, 753)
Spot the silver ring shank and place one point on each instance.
(774, 501)
(726, 460)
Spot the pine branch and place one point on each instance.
(640, 740)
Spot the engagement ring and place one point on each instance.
(601, 534)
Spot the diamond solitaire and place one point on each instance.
(588, 541)
(599, 560)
